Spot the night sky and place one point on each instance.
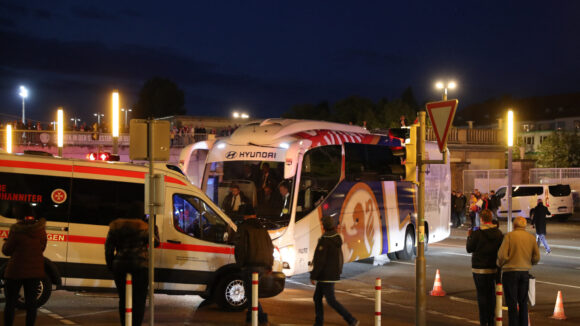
(265, 56)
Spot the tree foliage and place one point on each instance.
(361, 111)
(560, 150)
(160, 97)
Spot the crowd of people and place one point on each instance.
(461, 207)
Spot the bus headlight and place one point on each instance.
(288, 256)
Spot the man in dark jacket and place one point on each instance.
(538, 215)
(326, 270)
(25, 268)
(460, 203)
(254, 253)
(235, 203)
(126, 252)
(484, 244)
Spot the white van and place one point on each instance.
(79, 199)
(557, 198)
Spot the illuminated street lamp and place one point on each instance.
(236, 114)
(126, 118)
(24, 94)
(9, 138)
(75, 120)
(99, 116)
(510, 145)
(240, 115)
(115, 124)
(60, 129)
(441, 85)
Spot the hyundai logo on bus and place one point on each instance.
(233, 155)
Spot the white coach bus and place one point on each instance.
(329, 169)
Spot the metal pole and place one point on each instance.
(151, 224)
(254, 299)
(509, 190)
(115, 145)
(378, 301)
(420, 264)
(23, 117)
(445, 94)
(128, 300)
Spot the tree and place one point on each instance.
(321, 111)
(356, 110)
(560, 150)
(158, 98)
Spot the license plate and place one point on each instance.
(561, 209)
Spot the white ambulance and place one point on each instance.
(79, 198)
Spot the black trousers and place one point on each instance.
(515, 287)
(140, 280)
(326, 289)
(30, 291)
(485, 286)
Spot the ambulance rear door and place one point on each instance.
(44, 185)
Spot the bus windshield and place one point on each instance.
(250, 187)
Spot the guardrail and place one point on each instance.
(470, 136)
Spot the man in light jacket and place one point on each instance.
(517, 254)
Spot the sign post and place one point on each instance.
(441, 115)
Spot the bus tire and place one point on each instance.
(43, 292)
(408, 250)
(230, 294)
(392, 255)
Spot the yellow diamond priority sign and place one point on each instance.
(441, 115)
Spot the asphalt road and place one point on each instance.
(557, 271)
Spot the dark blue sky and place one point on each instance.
(265, 56)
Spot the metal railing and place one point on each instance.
(470, 136)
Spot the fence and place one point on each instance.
(569, 176)
(483, 180)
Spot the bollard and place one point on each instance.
(498, 304)
(378, 302)
(254, 299)
(128, 300)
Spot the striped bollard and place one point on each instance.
(254, 299)
(378, 302)
(498, 304)
(128, 300)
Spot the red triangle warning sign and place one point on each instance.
(441, 115)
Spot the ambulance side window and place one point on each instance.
(99, 202)
(49, 196)
(195, 218)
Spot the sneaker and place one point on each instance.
(354, 323)
(548, 252)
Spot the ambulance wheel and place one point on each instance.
(230, 293)
(43, 292)
(409, 249)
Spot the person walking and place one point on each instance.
(326, 270)
(25, 268)
(484, 244)
(516, 255)
(254, 254)
(126, 252)
(538, 215)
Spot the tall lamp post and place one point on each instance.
(60, 130)
(510, 145)
(115, 123)
(99, 116)
(24, 94)
(75, 120)
(444, 87)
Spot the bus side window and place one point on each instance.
(367, 162)
(320, 174)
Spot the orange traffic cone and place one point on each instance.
(559, 308)
(437, 289)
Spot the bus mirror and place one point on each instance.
(411, 155)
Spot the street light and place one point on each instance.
(9, 138)
(98, 115)
(24, 94)
(75, 120)
(240, 115)
(441, 85)
(510, 145)
(126, 119)
(236, 114)
(115, 124)
(60, 130)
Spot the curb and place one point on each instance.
(455, 237)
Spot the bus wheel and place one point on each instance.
(43, 292)
(230, 294)
(408, 251)
(392, 256)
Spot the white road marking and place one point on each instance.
(462, 300)
(558, 284)
(553, 255)
(57, 317)
(403, 263)
(92, 313)
(456, 253)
